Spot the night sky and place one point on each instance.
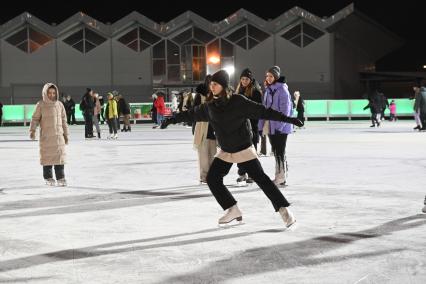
(404, 18)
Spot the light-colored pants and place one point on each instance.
(160, 118)
(96, 123)
(417, 118)
(206, 153)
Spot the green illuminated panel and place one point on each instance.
(339, 107)
(13, 112)
(316, 108)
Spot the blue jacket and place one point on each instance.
(278, 98)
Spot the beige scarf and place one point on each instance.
(201, 129)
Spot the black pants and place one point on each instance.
(301, 116)
(374, 118)
(278, 145)
(71, 117)
(423, 120)
(59, 172)
(112, 125)
(88, 121)
(219, 169)
(0, 119)
(102, 115)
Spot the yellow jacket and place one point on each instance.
(112, 109)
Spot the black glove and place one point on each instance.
(167, 122)
(292, 120)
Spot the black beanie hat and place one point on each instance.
(247, 73)
(221, 77)
(276, 71)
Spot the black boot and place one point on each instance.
(129, 129)
(99, 135)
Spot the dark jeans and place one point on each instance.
(301, 116)
(88, 121)
(59, 172)
(278, 145)
(71, 117)
(219, 169)
(112, 125)
(423, 120)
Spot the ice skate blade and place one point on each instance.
(291, 226)
(230, 224)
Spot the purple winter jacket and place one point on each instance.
(278, 98)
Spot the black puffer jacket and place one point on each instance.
(229, 116)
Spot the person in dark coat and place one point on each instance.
(375, 103)
(249, 88)
(422, 107)
(299, 104)
(154, 111)
(1, 113)
(101, 115)
(229, 116)
(70, 110)
(124, 110)
(87, 107)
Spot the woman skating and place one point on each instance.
(229, 116)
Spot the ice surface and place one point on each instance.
(134, 213)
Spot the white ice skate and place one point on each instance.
(115, 136)
(62, 182)
(50, 182)
(232, 214)
(287, 216)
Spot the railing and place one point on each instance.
(313, 109)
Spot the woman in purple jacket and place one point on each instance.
(278, 98)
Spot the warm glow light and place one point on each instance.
(229, 69)
(424, 66)
(214, 59)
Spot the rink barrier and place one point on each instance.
(313, 109)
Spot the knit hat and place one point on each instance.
(247, 73)
(275, 71)
(221, 77)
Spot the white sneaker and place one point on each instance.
(50, 182)
(62, 182)
(287, 216)
(233, 214)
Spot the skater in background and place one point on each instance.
(249, 88)
(385, 105)
(70, 109)
(416, 107)
(174, 102)
(228, 115)
(160, 107)
(204, 138)
(101, 114)
(96, 112)
(50, 115)
(277, 97)
(375, 103)
(111, 114)
(124, 110)
(392, 109)
(154, 111)
(299, 104)
(1, 114)
(422, 107)
(87, 106)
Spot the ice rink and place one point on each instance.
(134, 213)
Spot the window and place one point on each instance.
(28, 39)
(84, 40)
(247, 36)
(302, 34)
(139, 39)
(159, 59)
(193, 35)
(173, 61)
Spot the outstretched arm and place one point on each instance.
(198, 113)
(254, 110)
